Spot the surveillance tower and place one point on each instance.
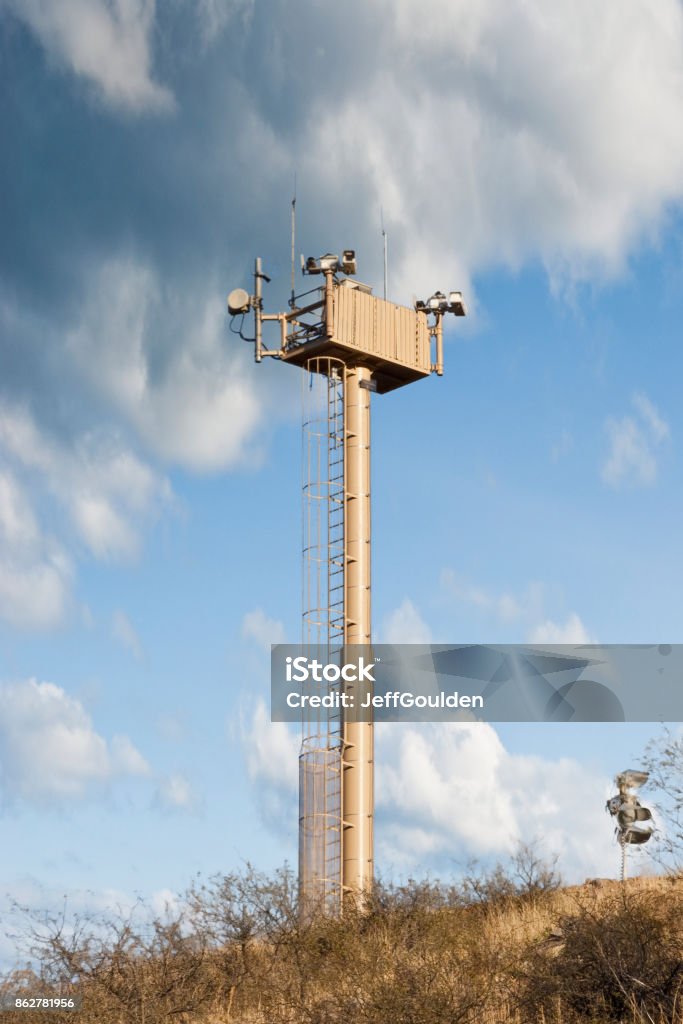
(350, 344)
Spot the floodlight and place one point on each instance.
(239, 301)
(438, 302)
(420, 305)
(636, 835)
(456, 304)
(631, 778)
(627, 809)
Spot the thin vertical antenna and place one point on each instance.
(384, 241)
(293, 237)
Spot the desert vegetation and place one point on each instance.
(504, 945)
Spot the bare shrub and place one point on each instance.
(664, 761)
(134, 967)
(233, 950)
(527, 874)
(622, 961)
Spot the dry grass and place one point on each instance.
(420, 954)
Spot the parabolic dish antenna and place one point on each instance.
(238, 301)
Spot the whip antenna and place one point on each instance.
(384, 241)
(293, 237)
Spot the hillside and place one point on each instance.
(423, 953)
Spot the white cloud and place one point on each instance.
(17, 522)
(215, 16)
(125, 758)
(175, 793)
(657, 426)
(405, 625)
(165, 904)
(104, 530)
(264, 631)
(196, 405)
(107, 42)
(124, 631)
(522, 120)
(632, 458)
(448, 792)
(271, 751)
(453, 792)
(505, 606)
(35, 572)
(447, 779)
(572, 631)
(34, 595)
(527, 607)
(106, 490)
(49, 749)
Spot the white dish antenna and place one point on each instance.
(239, 301)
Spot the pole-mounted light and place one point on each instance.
(628, 810)
(440, 303)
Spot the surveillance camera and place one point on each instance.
(329, 261)
(348, 263)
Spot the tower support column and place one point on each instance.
(357, 737)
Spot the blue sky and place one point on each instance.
(150, 473)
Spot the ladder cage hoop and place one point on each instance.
(324, 557)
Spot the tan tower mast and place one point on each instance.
(356, 344)
(357, 737)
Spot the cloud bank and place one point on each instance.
(447, 793)
(105, 43)
(450, 792)
(50, 753)
(495, 134)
